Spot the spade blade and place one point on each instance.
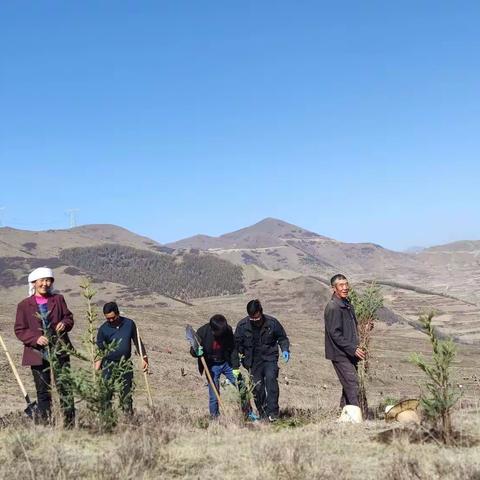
(32, 408)
(192, 337)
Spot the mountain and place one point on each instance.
(269, 232)
(25, 243)
(274, 244)
(456, 253)
(455, 268)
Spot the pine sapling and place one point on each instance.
(366, 306)
(50, 354)
(95, 387)
(441, 393)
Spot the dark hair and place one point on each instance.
(111, 307)
(253, 307)
(218, 324)
(336, 277)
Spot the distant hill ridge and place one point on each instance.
(269, 232)
(462, 245)
(273, 243)
(14, 242)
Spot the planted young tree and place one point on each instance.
(441, 394)
(87, 383)
(52, 350)
(366, 306)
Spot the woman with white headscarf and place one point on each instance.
(43, 320)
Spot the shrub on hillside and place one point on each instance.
(184, 276)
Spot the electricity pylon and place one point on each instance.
(72, 213)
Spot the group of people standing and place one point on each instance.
(43, 319)
(255, 345)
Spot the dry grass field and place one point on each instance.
(179, 441)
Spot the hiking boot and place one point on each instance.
(272, 418)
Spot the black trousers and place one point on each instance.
(347, 374)
(43, 385)
(266, 391)
(125, 395)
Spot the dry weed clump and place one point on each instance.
(47, 453)
(418, 434)
(435, 465)
(14, 419)
(137, 454)
(293, 459)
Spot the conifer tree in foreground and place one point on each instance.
(88, 384)
(441, 394)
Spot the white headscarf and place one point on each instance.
(37, 274)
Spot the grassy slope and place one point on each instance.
(177, 444)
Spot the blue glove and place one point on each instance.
(253, 417)
(286, 356)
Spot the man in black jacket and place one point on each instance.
(341, 339)
(218, 349)
(257, 338)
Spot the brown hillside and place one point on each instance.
(25, 243)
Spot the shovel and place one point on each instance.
(31, 406)
(194, 341)
(141, 352)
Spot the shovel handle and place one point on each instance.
(192, 337)
(14, 369)
(210, 381)
(141, 353)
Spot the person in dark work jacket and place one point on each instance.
(341, 339)
(124, 331)
(218, 349)
(257, 338)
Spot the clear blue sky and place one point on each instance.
(358, 120)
